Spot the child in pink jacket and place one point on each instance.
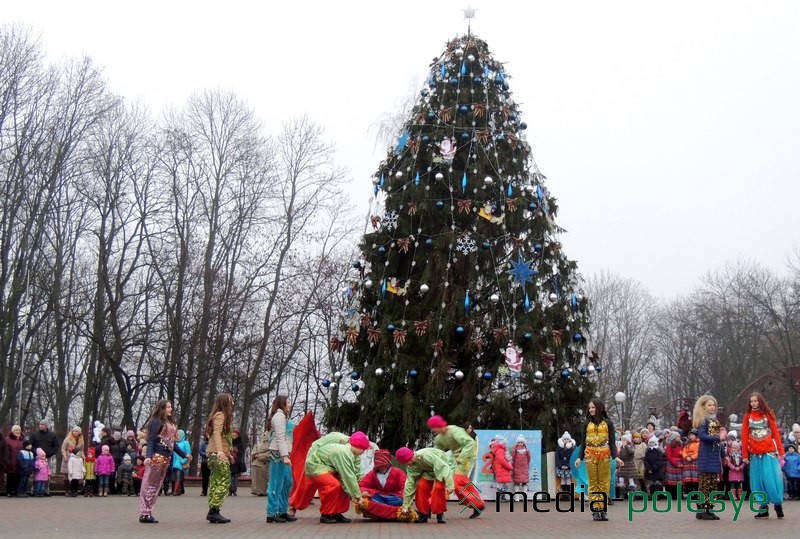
(41, 478)
(521, 464)
(502, 468)
(104, 469)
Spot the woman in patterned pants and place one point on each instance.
(220, 440)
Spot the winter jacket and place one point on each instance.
(125, 471)
(709, 455)
(654, 465)
(691, 451)
(639, 451)
(521, 464)
(75, 467)
(42, 470)
(627, 470)
(26, 462)
(736, 467)
(104, 465)
(792, 466)
(502, 468)
(45, 440)
(563, 456)
(673, 455)
(13, 447)
(279, 438)
(760, 435)
(177, 460)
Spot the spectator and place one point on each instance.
(13, 447)
(26, 465)
(45, 439)
(73, 440)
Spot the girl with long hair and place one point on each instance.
(709, 455)
(219, 455)
(598, 450)
(762, 449)
(280, 470)
(161, 433)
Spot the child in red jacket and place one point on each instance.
(502, 468)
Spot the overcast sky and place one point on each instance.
(669, 132)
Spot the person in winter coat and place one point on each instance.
(673, 462)
(237, 466)
(125, 476)
(26, 465)
(736, 466)
(281, 430)
(654, 473)
(73, 440)
(791, 469)
(130, 446)
(500, 465)
(104, 468)
(138, 474)
(521, 464)
(627, 472)
(690, 452)
(75, 471)
(180, 464)
(566, 445)
(45, 439)
(259, 466)
(205, 471)
(41, 477)
(89, 478)
(13, 447)
(709, 458)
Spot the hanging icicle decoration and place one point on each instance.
(443, 71)
(510, 190)
(466, 303)
(463, 68)
(416, 178)
(464, 182)
(527, 302)
(382, 180)
(383, 288)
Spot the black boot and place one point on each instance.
(596, 515)
(326, 519)
(421, 519)
(475, 513)
(779, 511)
(338, 517)
(763, 513)
(214, 517)
(440, 518)
(287, 517)
(603, 515)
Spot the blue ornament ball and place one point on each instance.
(498, 80)
(426, 139)
(390, 328)
(523, 126)
(465, 136)
(598, 368)
(354, 375)
(565, 374)
(431, 116)
(381, 250)
(583, 370)
(532, 206)
(501, 385)
(528, 336)
(440, 204)
(356, 264)
(486, 245)
(478, 80)
(538, 246)
(577, 337)
(453, 81)
(460, 330)
(424, 92)
(487, 375)
(429, 241)
(413, 373)
(463, 109)
(355, 387)
(325, 382)
(505, 85)
(500, 138)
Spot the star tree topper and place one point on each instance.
(521, 271)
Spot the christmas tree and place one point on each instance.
(463, 302)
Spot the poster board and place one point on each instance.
(482, 473)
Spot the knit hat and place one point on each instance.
(76, 427)
(404, 455)
(75, 450)
(437, 422)
(652, 442)
(733, 434)
(130, 434)
(126, 458)
(44, 422)
(359, 440)
(693, 431)
(627, 437)
(673, 436)
(383, 458)
(520, 439)
(106, 449)
(26, 442)
(40, 452)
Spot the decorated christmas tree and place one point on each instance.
(463, 302)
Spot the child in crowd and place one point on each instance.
(125, 476)
(654, 472)
(75, 471)
(735, 465)
(90, 479)
(41, 478)
(138, 474)
(566, 445)
(521, 463)
(674, 463)
(690, 450)
(791, 469)
(104, 468)
(627, 472)
(26, 464)
(502, 468)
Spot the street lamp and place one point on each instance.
(619, 398)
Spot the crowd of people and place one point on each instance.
(292, 462)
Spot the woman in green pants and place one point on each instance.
(220, 439)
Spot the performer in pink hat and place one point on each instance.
(465, 451)
(429, 480)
